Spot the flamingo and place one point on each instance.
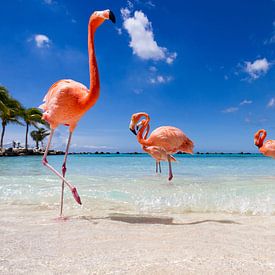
(163, 141)
(267, 148)
(67, 101)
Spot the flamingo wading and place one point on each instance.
(67, 101)
(163, 141)
(266, 148)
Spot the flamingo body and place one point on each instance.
(267, 148)
(63, 103)
(171, 139)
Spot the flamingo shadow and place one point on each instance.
(137, 219)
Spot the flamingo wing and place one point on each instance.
(62, 102)
(268, 148)
(58, 88)
(171, 139)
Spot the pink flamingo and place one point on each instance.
(163, 141)
(67, 101)
(267, 148)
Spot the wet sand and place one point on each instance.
(33, 242)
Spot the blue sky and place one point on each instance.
(206, 67)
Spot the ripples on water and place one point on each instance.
(202, 183)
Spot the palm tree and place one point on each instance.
(32, 117)
(39, 135)
(9, 111)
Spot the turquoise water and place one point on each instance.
(202, 183)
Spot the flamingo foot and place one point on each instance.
(76, 196)
(61, 219)
(170, 177)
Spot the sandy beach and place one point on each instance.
(33, 242)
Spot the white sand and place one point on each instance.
(32, 242)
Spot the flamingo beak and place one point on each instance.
(112, 17)
(132, 128)
(133, 131)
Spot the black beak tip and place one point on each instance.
(112, 17)
(133, 131)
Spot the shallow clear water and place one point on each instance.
(202, 183)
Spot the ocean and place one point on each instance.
(125, 183)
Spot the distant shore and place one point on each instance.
(14, 152)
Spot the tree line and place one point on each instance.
(13, 112)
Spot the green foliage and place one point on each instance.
(10, 111)
(10, 108)
(39, 135)
(32, 117)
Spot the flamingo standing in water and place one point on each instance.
(267, 148)
(163, 141)
(67, 101)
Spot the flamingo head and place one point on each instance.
(259, 138)
(98, 17)
(135, 122)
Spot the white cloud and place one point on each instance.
(244, 102)
(160, 79)
(247, 120)
(171, 57)
(130, 4)
(150, 4)
(153, 69)
(142, 38)
(119, 31)
(257, 68)
(125, 13)
(271, 103)
(235, 109)
(271, 40)
(138, 91)
(75, 145)
(230, 110)
(42, 41)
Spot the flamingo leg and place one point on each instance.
(45, 163)
(64, 169)
(170, 168)
(159, 167)
(156, 167)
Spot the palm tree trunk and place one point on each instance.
(2, 135)
(36, 141)
(26, 138)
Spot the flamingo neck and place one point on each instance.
(94, 91)
(147, 131)
(261, 137)
(141, 137)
